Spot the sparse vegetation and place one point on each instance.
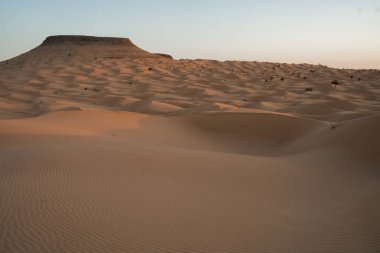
(335, 82)
(282, 79)
(333, 126)
(95, 89)
(308, 89)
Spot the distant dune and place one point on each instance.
(106, 147)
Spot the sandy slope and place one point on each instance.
(148, 154)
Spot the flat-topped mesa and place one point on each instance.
(83, 48)
(86, 40)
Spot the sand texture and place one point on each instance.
(105, 147)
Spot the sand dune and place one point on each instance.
(108, 148)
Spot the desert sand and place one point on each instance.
(105, 147)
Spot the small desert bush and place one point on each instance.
(333, 126)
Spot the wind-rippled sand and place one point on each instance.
(161, 155)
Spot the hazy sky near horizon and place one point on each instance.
(340, 33)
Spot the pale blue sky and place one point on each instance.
(340, 33)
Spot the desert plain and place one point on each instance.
(105, 147)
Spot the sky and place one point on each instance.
(340, 33)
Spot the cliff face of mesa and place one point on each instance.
(79, 40)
